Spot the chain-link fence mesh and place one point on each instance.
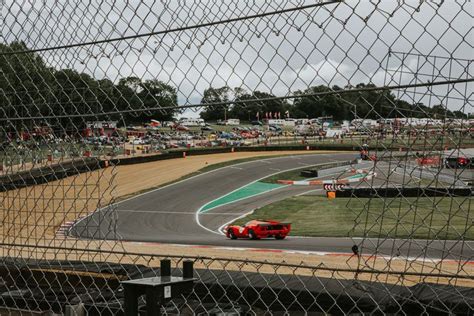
(79, 81)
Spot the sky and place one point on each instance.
(381, 42)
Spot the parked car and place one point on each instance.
(181, 128)
(137, 141)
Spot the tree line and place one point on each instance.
(30, 88)
(340, 103)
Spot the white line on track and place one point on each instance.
(221, 229)
(164, 212)
(306, 192)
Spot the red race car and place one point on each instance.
(257, 229)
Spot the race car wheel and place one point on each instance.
(252, 235)
(279, 237)
(232, 235)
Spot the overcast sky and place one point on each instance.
(334, 44)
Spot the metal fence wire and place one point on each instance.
(75, 75)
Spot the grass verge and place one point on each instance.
(317, 216)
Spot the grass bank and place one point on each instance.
(423, 218)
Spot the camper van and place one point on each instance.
(232, 122)
(191, 122)
(276, 122)
(304, 121)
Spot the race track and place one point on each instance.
(168, 214)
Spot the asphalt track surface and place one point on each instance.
(169, 214)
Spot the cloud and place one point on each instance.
(341, 44)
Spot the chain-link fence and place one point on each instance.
(87, 88)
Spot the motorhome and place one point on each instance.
(304, 121)
(191, 122)
(334, 132)
(278, 122)
(346, 126)
(305, 130)
(232, 122)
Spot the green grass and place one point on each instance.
(392, 217)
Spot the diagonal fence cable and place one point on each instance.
(89, 91)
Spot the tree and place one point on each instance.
(439, 111)
(157, 94)
(25, 83)
(459, 114)
(132, 93)
(29, 88)
(315, 105)
(248, 104)
(216, 95)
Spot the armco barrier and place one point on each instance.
(403, 192)
(49, 173)
(145, 159)
(220, 150)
